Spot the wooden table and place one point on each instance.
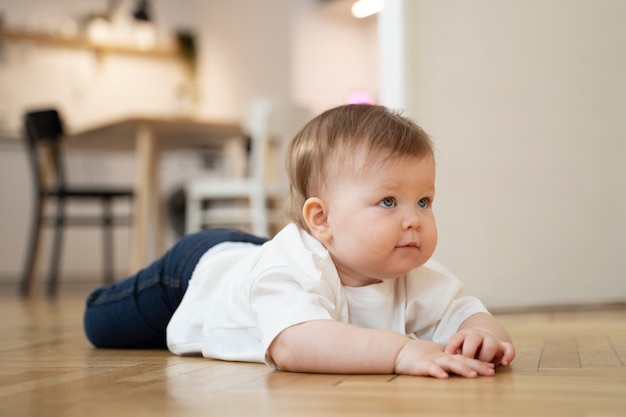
(149, 137)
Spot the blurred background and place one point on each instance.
(525, 100)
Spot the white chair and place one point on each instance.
(212, 202)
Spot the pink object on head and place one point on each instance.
(360, 97)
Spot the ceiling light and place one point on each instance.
(364, 8)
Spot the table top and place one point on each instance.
(169, 133)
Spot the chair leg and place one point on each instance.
(32, 251)
(193, 207)
(107, 243)
(260, 220)
(57, 242)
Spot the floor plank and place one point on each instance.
(598, 353)
(559, 353)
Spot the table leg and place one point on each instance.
(146, 194)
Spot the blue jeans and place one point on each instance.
(134, 313)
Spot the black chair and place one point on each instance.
(43, 138)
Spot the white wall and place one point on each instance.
(334, 54)
(244, 49)
(526, 102)
(311, 51)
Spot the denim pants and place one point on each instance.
(134, 313)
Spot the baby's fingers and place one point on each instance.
(466, 367)
(455, 344)
(508, 353)
(472, 346)
(489, 350)
(436, 371)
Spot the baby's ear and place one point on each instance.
(315, 213)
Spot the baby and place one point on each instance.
(347, 286)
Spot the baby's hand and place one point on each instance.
(421, 358)
(481, 345)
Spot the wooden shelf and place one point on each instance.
(82, 42)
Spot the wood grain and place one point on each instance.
(569, 364)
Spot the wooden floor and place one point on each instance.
(570, 363)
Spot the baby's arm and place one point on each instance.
(482, 337)
(326, 346)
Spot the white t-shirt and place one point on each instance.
(241, 296)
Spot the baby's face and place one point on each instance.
(381, 219)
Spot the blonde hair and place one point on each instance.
(329, 142)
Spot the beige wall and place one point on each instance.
(526, 103)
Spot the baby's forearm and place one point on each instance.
(326, 346)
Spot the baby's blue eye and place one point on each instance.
(423, 203)
(387, 202)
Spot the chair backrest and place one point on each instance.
(255, 125)
(43, 130)
(271, 124)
